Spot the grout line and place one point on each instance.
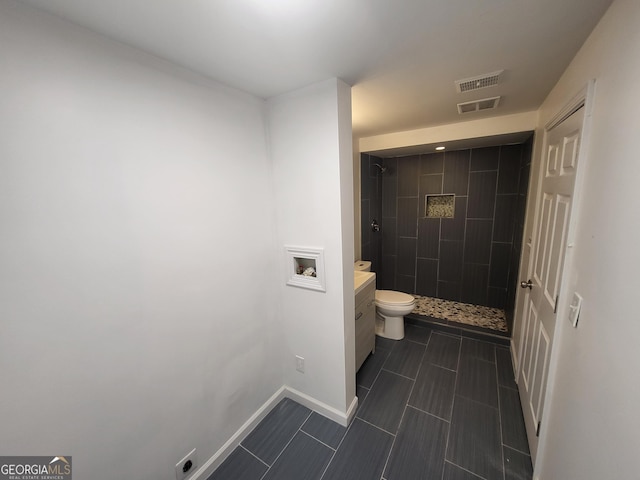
(428, 413)
(399, 374)
(464, 469)
(477, 401)
(376, 426)
(414, 341)
(337, 448)
(288, 443)
(455, 387)
(515, 389)
(495, 355)
(424, 352)
(255, 456)
(317, 440)
(516, 450)
(443, 368)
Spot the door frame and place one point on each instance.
(584, 98)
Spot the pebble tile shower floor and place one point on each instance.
(432, 406)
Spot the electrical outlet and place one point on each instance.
(300, 363)
(186, 466)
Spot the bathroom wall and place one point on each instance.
(140, 269)
(591, 422)
(518, 232)
(468, 258)
(370, 209)
(310, 143)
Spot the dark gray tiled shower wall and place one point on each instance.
(472, 257)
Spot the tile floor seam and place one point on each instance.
(464, 469)
(516, 450)
(381, 368)
(510, 388)
(443, 368)
(415, 341)
(480, 360)
(453, 402)
(353, 420)
(398, 374)
(255, 456)
(477, 401)
(428, 413)
(317, 440)
(406, 405)
(447, 334)
(288, 443)
(376, 426)
(504, 469)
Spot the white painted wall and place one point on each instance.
(486, 127)
(310, 143)
(138, 262)
(591, 424)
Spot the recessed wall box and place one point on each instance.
(305, 267)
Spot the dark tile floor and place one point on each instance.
(432, 406)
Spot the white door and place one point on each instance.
(549, 246)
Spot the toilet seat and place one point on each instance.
(392, 298)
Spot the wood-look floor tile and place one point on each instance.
(478, 349)
(477, 380)
(418, 452)
(453, 472)
(362, 454)
(443, 350)
(474, 439)
(371, 367)
(517, 465)
(271, 435)
(506, 377)
(304, 458)
(405, 359)
(416, 333)
(514, 433)
(386, 401)
(325, 430)
(433, 391)
(240, 465)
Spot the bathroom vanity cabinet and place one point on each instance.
(365, 321)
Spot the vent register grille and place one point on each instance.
(478, 83)
(478, 105)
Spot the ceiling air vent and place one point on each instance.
(476, 83)
(478, 105)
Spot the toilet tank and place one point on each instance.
(362, 266)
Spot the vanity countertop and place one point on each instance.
(362, 279)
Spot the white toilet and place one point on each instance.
(391, 307)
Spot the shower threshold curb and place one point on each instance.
(470, 331)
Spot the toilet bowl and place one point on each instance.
(391, 307)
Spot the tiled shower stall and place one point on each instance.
(471, 257)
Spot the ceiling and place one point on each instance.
(401, 56)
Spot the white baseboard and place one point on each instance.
(322, 408)
(328, 411)
(221, 455)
